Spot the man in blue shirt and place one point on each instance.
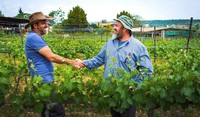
(129, 54)
(40, 58)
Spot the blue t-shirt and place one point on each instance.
(38, 64)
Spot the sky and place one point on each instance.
(98, 10)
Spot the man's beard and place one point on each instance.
(117, 35)
(114, 35)
(43, 31)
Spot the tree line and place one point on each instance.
(76, 18)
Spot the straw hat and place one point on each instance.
(36, 17)
(126, 22)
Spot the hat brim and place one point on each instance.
(125, 25)
(33, 22)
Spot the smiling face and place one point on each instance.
(119, 30)
(41, 27)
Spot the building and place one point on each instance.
(162, 32)
(12, 25)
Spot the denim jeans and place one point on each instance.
(56, 110)
(129, 112)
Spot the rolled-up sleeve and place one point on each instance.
(96, 61)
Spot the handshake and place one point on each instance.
(78, 64)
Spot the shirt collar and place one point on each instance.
(115, 41)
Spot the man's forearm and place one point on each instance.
(60, 60)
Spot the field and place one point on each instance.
(173, 89)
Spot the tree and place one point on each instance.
(58, 16)
(104, 21)
(93, 25)
(76, 18)
(1, 14)
(21, 14)
(136, 18)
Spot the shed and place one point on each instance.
(163, 32)
(10, 24)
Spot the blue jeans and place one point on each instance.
(129, 112)
(57, 110)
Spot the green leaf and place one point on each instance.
(112, 103)
(130, 101)
(38, 107)
(163, 94)
(187, 91)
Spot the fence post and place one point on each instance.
(154, 37)
(187, 44)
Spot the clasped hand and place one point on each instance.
(77, 63)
